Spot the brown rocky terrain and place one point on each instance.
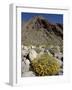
(38, 31)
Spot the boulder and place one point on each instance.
(25, 65)
(25, 48)
(58, 55)
(32, 54)
(28, 74)
(24, 52)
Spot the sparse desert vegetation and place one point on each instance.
(41, 48)
(41, 62)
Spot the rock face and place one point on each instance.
(32, 55)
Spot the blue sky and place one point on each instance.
(53, 18)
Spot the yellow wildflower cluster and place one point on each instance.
(45, 65)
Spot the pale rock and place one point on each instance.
(58, 55)
(32, 54)
(25, 65)
(25, 48)
(24, 52)
(33, 47)
(28, 74)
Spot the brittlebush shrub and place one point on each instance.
(45, 65)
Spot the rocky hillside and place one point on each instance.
(38, 31)
(38, 61)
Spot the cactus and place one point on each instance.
(45, 65)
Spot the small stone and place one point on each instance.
(58, 55)
(33, 47)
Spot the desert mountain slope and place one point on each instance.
(38, 31)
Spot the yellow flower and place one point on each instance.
(45, 65)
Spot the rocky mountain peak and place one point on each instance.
(38, 17)
(38, 22)
(38, 31)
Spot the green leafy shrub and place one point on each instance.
(45, 65)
